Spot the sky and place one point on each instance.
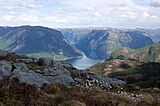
(81, 13)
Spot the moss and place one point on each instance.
(35, 66)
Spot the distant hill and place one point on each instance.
(99, 43)
(154, 34)
(148, 53)
(36, 41)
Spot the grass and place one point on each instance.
(148, 100)
(59, 95)
(115, 65)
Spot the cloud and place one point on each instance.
(8, 18)
(55, 19)
(28, 18)
(77, 13)
(155, 3)
(29, 4)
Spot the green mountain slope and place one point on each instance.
(148, 53)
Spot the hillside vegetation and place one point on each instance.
(148, 53)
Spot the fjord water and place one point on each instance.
(83, 63)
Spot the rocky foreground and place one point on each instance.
(45, 82)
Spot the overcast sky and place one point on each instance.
(81, 13)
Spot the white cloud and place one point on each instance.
(29, 4)
(27, 18)
(155, 3)
(145, 14)
(8, 18)
(62, 13)
(55, 19)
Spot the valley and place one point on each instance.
(100, 67)
(37, 41)
(99, 43)
(80, 53)
(77, 45)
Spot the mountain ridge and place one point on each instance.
(35, 39)
(87, 40)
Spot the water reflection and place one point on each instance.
(83, 63)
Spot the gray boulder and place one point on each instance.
(30, 77)
(5, 68)
(50, 75)
(21, 67)
(114, 82)
(3, 53)
(58, 70)
(96, 77)
(54, 67)
(62, 79)
(106, 82)
(79, 73)
(45, 62)
(78, 80)
(66, 65)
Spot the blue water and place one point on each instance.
(83, 63)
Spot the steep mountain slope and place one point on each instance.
(148, 53)
(37, 41)
(154, 34)
(73, 35)
(101, 43)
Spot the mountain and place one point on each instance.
(148, 53)
(154, 34)
(73, 35)
(36, 41)
(99, 43)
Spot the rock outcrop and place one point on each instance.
(48, 71)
